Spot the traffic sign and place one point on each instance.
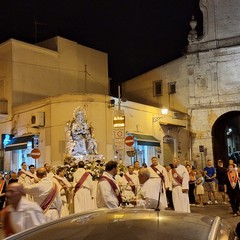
(119, 133)
(129, 141)
(35, 153)
(131, 153)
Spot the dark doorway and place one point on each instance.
(226, 137)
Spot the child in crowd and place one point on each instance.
(199, 187)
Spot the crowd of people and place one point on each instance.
(35, 196)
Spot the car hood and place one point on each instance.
(123, 224)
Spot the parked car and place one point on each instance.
(130, 224)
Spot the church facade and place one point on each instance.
(204, 83)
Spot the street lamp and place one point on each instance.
(164, 111)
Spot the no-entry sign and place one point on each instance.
(35, 153)
(129, 141)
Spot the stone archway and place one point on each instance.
(221, 135)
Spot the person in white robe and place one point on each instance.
(108, 191)
(83, 197)
(48, 168)
(180, 178)
(129, 184)
(159, 172)
(27, 177)
(64, 186)
(23, 214)
(22, 173)
(31, 174)
(147, 196)
(136, 167)
(41, 191)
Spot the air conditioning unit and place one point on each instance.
(38, 120)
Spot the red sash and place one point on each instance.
(177, 177)
(233, 181)
(46, 204)
(2, 186)
(81, 181)
(6, 220)
(158, 172)
(114, 188)
(129, 180)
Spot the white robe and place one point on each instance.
(83, 197)
(39, 191)
(50, 174)
(125, 186)
(27, 178)
(21, 178)
(180, 199)
(149, 194)
(62, 191)
(28, 214)
(166, 184)
(106, 197)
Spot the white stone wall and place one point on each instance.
(37, 72)
(140, 89)
(220, 25)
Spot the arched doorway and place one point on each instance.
(226, 136)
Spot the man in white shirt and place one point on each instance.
(83, 197)
(45, 194)
(150, 191)
(20, 214)
(159, 172)
(108, 192)
(180, 179)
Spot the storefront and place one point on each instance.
(20, 149)
(146, 146)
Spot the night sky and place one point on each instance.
(138, 35)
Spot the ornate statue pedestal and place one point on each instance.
(88, 157)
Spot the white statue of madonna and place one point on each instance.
(79, 133)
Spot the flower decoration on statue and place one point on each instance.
(95, 168)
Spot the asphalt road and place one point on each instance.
(222, 210)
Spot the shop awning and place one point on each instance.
(147, 140)
(171, 125)
(19, 142)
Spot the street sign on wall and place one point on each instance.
(35, 153)
(129, 141)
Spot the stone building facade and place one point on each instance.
(207, 83)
